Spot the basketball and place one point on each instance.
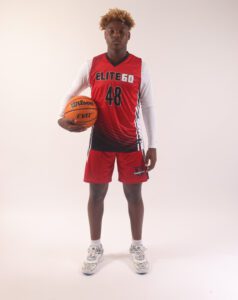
(82, 110)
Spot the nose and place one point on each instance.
(116, 34)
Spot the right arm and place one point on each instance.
(78, 85)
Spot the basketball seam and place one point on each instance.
(79, 109)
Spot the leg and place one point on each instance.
(135, 208)
(95, 208)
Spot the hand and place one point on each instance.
(150, 158)
(71, 125)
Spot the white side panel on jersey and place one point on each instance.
(139, 136)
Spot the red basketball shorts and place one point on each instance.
(100, 164)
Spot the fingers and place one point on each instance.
(72, 126)
(151, 165)
(76, 128)
(148, 161)
(147, 158)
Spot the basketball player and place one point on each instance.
(120, 84)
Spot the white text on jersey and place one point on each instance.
(114, 76)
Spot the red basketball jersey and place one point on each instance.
(116, 91)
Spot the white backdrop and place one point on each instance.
(190, 224)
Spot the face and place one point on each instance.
(117, 35)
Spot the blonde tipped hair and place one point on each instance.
(115, 14)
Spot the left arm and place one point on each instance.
(149, 117)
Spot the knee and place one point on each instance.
(97, 194)
(96, 197)
(132, 196)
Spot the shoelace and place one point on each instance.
(139, 252)
(93, 251)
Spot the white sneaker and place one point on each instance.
(95, 255)
(139, 259)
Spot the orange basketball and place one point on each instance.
(82, 110)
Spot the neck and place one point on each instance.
(116, 56)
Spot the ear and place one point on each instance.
(129, 35)
(105, 34)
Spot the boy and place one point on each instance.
(120, 84)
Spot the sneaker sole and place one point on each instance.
(91, 273)
(138, 271)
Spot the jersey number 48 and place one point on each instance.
(114, 95)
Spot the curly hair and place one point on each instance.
(115, 14)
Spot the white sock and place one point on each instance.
(96, 242)
(136, 242)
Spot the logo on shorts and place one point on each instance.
(139, 171)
